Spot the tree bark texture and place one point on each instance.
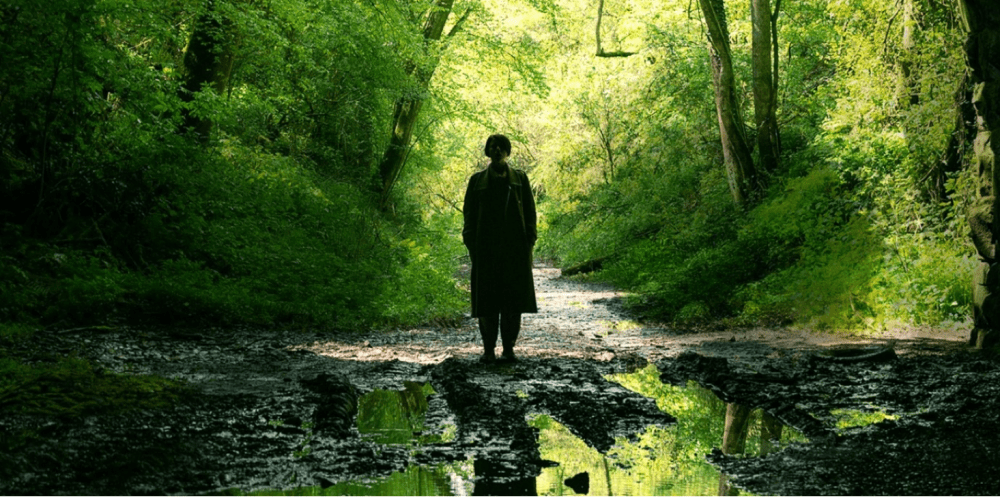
(764, 86)
(407, 109)
(734, 437)
(734, 440)
(740, 170)
(208, 62)
(982, 18)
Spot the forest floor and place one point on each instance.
(276, 410)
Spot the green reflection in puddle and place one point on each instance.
(397, 417)
(663, 461)
(451, 479)
(854, 418)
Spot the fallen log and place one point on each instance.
(585, 267)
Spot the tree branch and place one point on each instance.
(459, 22)
(597, 36)
(452, 203)
(888, 29)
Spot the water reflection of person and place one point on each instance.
(500, 232)
(492, 479)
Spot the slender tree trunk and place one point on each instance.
(764, 85)
(909, 89)
(208, 62)
(770, 429)
(597, 36)
(734, 440)
(740, 171)
(982, 18)
(407, 109)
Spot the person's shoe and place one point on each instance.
(487, 358)
(508, 357)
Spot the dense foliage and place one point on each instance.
(862, 226)
(113, 210)
(117, 206)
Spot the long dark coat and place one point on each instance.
(499, 232)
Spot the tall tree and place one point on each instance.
(407, 108)
(909, 89)
(765, 81)
(982, 19)
(208, 62)
(740, 170)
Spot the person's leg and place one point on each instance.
(488, 326)
(510, 326)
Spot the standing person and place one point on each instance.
(499, 232)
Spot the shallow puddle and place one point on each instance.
(661, 462)
(452, 479)
(397, 417)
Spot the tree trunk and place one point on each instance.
(982, 19)
(740, 171)
(407, 109)
(958, 143)
(764, 85)
(208, 61)
(597, 35)
(734, 437)
(770, 429)
(734, 440)
(909, 89)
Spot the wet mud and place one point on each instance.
(939, 440)
(351, 413)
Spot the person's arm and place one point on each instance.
(470, 211)
(530, 218)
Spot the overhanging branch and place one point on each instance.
(459, 23)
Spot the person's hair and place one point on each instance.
(499, 140)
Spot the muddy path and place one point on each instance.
(285, 410)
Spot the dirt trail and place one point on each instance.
(582, 320)
(253, 393)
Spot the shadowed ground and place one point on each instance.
(275, 410)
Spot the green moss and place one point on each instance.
(69, 387)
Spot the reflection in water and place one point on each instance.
(394, 417)
(493, 480)
(662, 462)
(398, 417)
(453, 479)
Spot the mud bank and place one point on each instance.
(936, 437)
(342, 412)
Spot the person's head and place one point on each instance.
(497, 147)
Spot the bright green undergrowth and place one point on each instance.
(274, 220)
(860, 227)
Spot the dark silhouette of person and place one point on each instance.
(500, 232)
